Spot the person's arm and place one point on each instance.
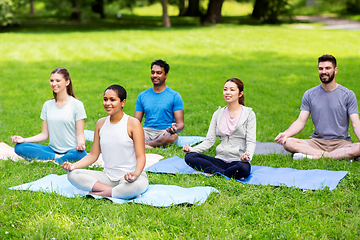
(94, 153)
(250, 137)
(355, 121)
(179, 122)
(80, 136)
(210, 136)
(138, 115)
(136, 133)
(294, 128)
(43, 136)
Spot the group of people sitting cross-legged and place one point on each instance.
(122, 140)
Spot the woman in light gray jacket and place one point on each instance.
(235, 124)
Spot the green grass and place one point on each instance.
(276, 63)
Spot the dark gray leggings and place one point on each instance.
(85, 179)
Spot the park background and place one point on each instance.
(275, 58)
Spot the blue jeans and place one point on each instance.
(201, 162)
(41, 152)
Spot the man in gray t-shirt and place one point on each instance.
(330, 105)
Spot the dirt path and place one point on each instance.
(332, 23)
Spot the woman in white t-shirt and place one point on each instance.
(121, 140)
(63, 124)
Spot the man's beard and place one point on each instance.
(331, 77)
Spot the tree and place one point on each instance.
(353, 6)
(98, 7)
(269, 10)
(32, 10)
(165, 16)
(193, 9)
(213, 14)
(7, 17)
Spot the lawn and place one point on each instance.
(277, 65)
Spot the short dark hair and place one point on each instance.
(162, 64)
(120, 91)
(327, 58)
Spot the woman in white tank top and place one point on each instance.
(121, 140)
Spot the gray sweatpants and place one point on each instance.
(85, 179)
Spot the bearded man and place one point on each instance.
(330, 105)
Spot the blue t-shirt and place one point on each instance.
(330, 111)
(159, 108)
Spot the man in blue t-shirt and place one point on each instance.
(330, 105)
(163, 109)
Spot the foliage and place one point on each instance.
(277, 64)
(270, 10)
(7, 16)
(353, 6)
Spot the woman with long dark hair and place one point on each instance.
(235, 124)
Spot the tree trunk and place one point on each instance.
(76, 13)
(98, 7)
(213, 14)
(165, 16)
(260, 8)
(32, 10)
(193, 9)
(182, 9)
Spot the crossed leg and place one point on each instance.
(348, 151)
(163, 140)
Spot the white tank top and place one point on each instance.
(117, 148)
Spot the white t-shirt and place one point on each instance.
(62, 123)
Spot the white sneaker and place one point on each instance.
(298, 156)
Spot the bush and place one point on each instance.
(7, 17)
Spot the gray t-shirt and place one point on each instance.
(330, 111)
(62, 123)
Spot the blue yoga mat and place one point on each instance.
(315, 179)
(156, 195)
(180, 141)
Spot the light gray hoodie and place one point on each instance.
(241, 140)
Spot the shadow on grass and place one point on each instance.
(128, 22)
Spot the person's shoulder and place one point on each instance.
(76, 101)
(50, 102)
(344, 89)
(172, 91)
(133, 121)
(314, 89)
(248, 110)
(149, 90)
(100, 122)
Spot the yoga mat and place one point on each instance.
(315, 179)
(156, 195)
(269, 147)
(180, 141)
(261, 147)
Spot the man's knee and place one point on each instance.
(290, 144)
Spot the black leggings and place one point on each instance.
(201, 162)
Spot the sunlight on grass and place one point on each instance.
(276, 63)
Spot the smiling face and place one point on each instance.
(158, 75)
(231, 92)
(112, 102)
(58, 83)
(327, 72)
